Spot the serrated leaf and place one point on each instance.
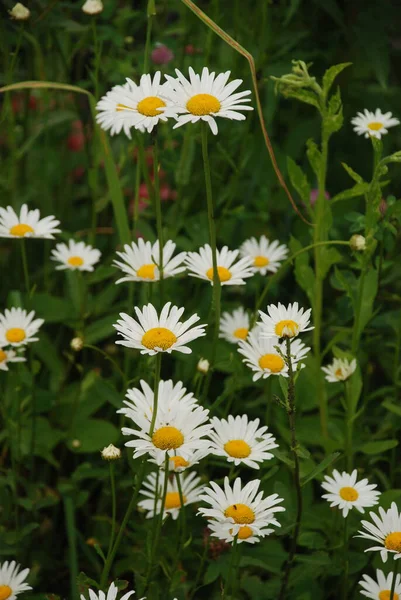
(302, 95)
(394, 408)
(331, 74)
(314, 156)
(298, 179)
(352, 173)
(359, 189)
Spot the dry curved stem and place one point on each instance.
(241, 50)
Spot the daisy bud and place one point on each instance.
(111, 453)
(76, 344)
(76, 444)
(20, 12)
(203, 366)
(358, 242)
(92, 7)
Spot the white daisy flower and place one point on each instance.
(141, 402)
(386, 531)
(380, 589)
(76, 256)
(348, 493)
(240, 511)
(112, 593)
(339, 370)
(200, 265)
(12, 580)
(204, 97)
(373, 124)
(234, 327)
(27, 224)
(152, 334)
(266, 256)
(241, 441)
(191, 490)
(130, 105)
(140, 261)
(9, 356)
(177, 431)
(261, 355)
(281, 321)
(17, 327)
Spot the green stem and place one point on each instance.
(25, 266)
(297, 478)
(318, 236)
(345, 561)
(130, 508)
(394, 580)
(182, 512)
(155, 541)
(113, 508)
(72, 546)
(212, 238)
(97, 57)
(349, 425)
(150, 12)
(158, 212)
(230, 578)
(156, 392)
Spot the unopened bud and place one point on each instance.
(76, 344)
(358, 242)
(76, 444)
(20, 12)
(92, 7)
(111, 453)
(203, 365)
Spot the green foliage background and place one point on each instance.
(54, 493)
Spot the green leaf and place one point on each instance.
(331, 74)
(378, 447)
(52, 309)
(302, 95)
(304, 273)
(314, 156)
(100, 330)
(212, 572)
(298, 180)
(352, 173)
(369, 293)
(333, 121)
(357, 190)
(394, 408)
(320, 467)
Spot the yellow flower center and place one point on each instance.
(386, 594)
(244, 532)
(173, 500)
(375, 126)
(223, 273)
(393, 541)
(286, 328)
(241, 513)
(237, 448)
(203, 104)
(349, 494)
(146, 271)
(75, 261)
(5, 592)
(339, 373)
(159, 337)
(273, 362)
(179, 461)
(261, 261)
(167, 438)
(3, 355)
(21, 229)
(15, 335)
(241, 333)
(149, 106)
